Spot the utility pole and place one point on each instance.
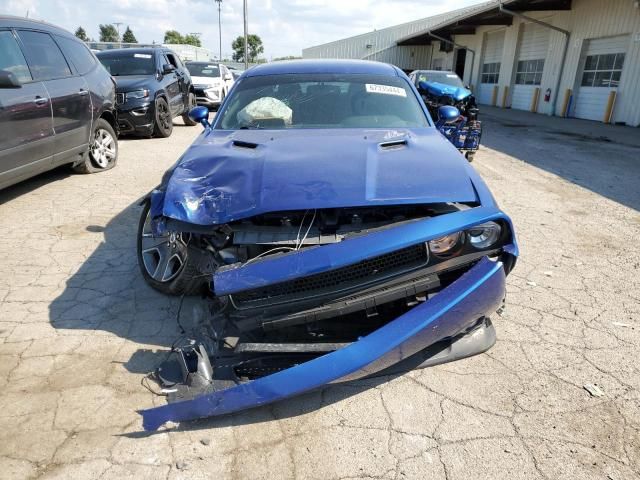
(219, 2)
(246, 40)
(117, 24)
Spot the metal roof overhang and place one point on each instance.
(490, 15)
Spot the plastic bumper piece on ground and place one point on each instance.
(478, 293)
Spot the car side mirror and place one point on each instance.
(447, 114)
(9, 80)
(228, 76)
(167, 68)
(200, 114)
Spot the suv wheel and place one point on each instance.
(164, 121)
(190, 104)
(103, 149)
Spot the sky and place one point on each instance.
(285, 26)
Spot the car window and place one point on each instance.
(45, 58)
(128, 63)
(203, 70)
(322, 101)
(77, 53)
(12, 59)
(447, 78)
(172, 60)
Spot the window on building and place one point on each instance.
(490, 73)
(529, 72)
(603, 70)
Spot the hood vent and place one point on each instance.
(393, 144)
(241, 144)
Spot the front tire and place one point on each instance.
(163, 125)
(185, 117)
(167, 262)
(469, 156)
(102, 154)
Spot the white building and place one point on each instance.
(577, 58)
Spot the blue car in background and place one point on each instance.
(335, 233)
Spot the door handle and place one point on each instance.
(40, 100)
(83, 92)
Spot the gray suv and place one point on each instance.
(57, 103)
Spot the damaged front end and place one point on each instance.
(301, 299)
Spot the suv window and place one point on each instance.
(173, 60)
(44, 56)
(12, 59)
(77, 53)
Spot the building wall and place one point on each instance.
(588, 19)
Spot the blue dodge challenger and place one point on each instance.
(333, 233)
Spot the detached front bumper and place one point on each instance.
(475, 295)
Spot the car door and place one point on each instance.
(184, 80)
(26, 127)
(171, 84)
(68, 93)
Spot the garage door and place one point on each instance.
(490, 72)
(601, 68)
(532, 51)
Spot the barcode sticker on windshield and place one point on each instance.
(385, 89)
(141, 55)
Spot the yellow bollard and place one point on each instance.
(505, 95)
(534, 100)
(494, 97)
(608, 113)
(565, 103)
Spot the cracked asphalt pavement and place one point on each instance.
(79, 329)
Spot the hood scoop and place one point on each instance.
(393, 144)
(242, 144)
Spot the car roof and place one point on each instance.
(200, 62)
(436, 71)
(322, 66)
(148, 50)
(11, 21)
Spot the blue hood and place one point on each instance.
(229, 175)
(439, 89)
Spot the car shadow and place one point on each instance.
(34, 183)
(591, 155)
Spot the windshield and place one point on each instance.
(322, 101)
(128, 64)
(203, 70)
(447, 78)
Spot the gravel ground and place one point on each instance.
(79, 329)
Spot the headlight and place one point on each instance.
(444, 244)
(485, 235)
(137, 94)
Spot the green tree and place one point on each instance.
(81, 34)
(173, 36)
(255, 48)
(108, 33)
(128, 36)
(192, 40)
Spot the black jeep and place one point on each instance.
(153, 87)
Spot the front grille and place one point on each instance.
(344, 278)
(120, 98)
